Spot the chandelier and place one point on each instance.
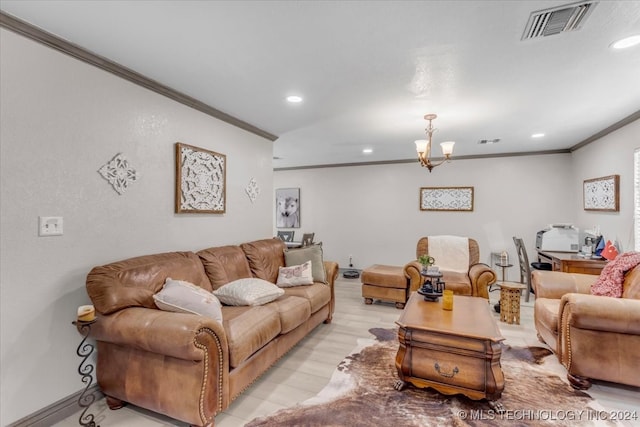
(423, 146)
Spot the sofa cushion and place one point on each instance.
(292, 310)
(134, 281)
(459, 283)
(311, 253)
(547, 312)
(184, 297)
(248, 329)
(249, 291)
(632, 284)
(317, 294)
(295, 275)
(265, 257)
(224, 264)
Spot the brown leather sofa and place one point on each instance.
(475, 282)
(594, 337)
(186, 366)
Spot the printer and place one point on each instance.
(558, 238)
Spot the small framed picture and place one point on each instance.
(288, 208)
(446, 199)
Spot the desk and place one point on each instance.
(571, 262)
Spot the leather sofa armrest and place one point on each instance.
(554, 284)
(598, 313)
(412, 272)
(179, 335)
(331, 269)
(481, 276)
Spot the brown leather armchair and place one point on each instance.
(594, 337)
(475, 282)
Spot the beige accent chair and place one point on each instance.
(594, 337)
(475, 282)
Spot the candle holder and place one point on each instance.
(432, 287)
(85, 369)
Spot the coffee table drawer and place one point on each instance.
(448, 368)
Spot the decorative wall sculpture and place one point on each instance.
(200, 180)
(252, 190)
(446, 199)
(602, 194)
(118, 173)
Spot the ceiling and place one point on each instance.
(370, 70)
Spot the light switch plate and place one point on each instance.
(50, 226)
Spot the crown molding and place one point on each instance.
(453, 159)
(604, 132)
(36, 34)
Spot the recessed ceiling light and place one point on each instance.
(626, 42)
(537, 135)
(367, 151)
(294, 99)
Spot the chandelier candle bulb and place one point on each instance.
(447, 147)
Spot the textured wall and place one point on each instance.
(610, 155)
(372, 212)
(61, 121)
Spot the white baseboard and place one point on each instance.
(57, 411)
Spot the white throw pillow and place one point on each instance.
(249, 291)
(184, 297)
(295, 275)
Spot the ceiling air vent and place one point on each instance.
(489, 141)
(557, 20)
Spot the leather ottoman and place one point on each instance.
(384, 282)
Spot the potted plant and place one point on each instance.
(426, 261)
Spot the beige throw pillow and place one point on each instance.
(249, 291)
(184, 297)
(310, 253)
(295, 275)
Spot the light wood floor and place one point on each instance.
(307, 368)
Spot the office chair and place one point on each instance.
(525, 270)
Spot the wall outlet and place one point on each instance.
(50, 226)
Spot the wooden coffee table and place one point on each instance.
(453, 352)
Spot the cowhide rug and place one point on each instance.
(361, 393)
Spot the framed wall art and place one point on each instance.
(288, 208)
(602, 194)
(201, 177)
(446, 199)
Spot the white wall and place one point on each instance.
(61, 120)
(610, 155)
(372, 212)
